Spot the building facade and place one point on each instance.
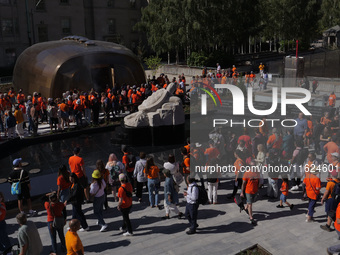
(27, 22)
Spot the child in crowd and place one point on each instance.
(284, 194)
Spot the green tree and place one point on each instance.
(153, 63)
(330, 14)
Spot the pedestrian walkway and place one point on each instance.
(222, 229)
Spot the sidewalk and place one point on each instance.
(222, 229)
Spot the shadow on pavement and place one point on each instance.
(106, 246)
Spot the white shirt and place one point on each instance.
(94, 189)
(173, 167)
(192, 193)
(138, 172)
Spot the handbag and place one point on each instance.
(16, 186)
(58, 222)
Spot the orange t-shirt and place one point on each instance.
(63, 183)
(127, 201)
(125, 161)
(73, 243)
(56, 210)
(275, 145)
(212, 154)
(313, 186)
(330, 186)
(252, 179)
(284, 188)
(153, 172)
(331, 100)
(75, 163)
(186, 163)
(324, 121)
(336, 224)
(63, 107)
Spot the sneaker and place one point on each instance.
(295, 188)
(191, 232)
(326, 228)
(84, 229)
(127, 234)
(279, 206)
(104, 227)
(309, 221)
(253, 222)
(291, 207)
(32, 213)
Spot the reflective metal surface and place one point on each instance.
(52, 68)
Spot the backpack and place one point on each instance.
(16, 186)
(132, 160)
(114, 172)
(128, 193)
(301, 157)
(336, 192)
(202, 195)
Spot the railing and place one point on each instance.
(6, 79)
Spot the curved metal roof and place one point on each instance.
(53, 67)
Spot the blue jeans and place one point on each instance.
(98, 203)
(5, 243)
(322, 143)
(153, 186)
(311, 206)
(53, 234)
(64, 194)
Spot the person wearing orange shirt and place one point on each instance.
(74, 245)
(313, 186)
(336, 248)
(330, 202)
(211, 153)
(325, 120)
(275, 140)
(125, 204)
(151, 171)
(332, 99)
(76, 164)
(284, 194)
(20, 96)
(250, 186)
(309, 132)
(186, 163)
(5, 243)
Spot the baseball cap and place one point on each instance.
(16, 161)
(122, 177)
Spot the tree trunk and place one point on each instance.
(249, 45)
(270, 45)
(168, 57)
(177, 56)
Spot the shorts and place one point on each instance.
(283, 198)
(250, 198)
(64, 115)
(330, 205)
(83, 181)
(25, 193)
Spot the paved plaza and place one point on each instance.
(222, 229)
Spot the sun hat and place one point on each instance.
(96, 174)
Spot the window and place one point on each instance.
(111, 3)
(66, 2)
(133, 3)
(7, 27)
(66, 25)
(11, 56)
(111, 26)
(42, 33)
(40, 5)
(4, 2)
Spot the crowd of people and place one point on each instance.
(126, 177)
(20, 113)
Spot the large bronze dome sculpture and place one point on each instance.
(75, 62)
